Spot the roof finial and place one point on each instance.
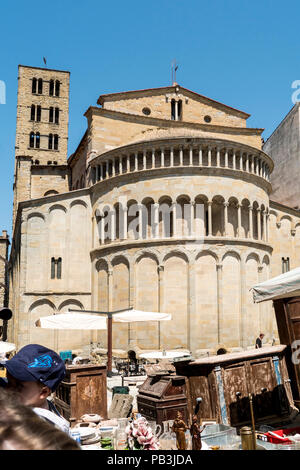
(174, 70)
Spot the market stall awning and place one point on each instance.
(129, 316)
(72, 321)
(279, 287)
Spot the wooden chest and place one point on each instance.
(161, 396)
(83, 391)
(223, 384)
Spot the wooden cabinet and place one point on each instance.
(224, 383)
(83, 391)
(161, 396)
(287, 313)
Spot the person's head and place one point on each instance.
(34, 373)
(261, 335)
(22, 429)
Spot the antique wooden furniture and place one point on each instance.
(287, 313)
(222, 385)
(83, 391)
(161, 396)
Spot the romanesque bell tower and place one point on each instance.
(42, 134)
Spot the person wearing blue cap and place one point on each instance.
(35, 372)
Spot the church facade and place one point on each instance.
(166, 205)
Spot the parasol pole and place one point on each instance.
(109, 332)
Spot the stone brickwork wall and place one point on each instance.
(193, 109)
(27, 157)
(283, 146)
(4, 245)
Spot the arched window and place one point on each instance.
(38, 113)
(56, 115)
(57, 88)
(34, 81)
(173, 104)
(50, 142)
(55, 142)
(51, 87)
(51, 114)
(40, 86)
(59, 268)
(56, 268)
(32, 114)
(176, 110)
(52, 268)
(31, 140)
(179, 110)
(37, 140)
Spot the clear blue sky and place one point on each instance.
(242, 53)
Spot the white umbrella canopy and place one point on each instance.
(72, 321)
(133, 315)
(279, 287)
(6, 347)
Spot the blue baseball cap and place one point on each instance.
(35, 363)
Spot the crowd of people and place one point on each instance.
(28, 417)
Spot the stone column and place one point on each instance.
(200, 157)
(121, 165)
(128, 163)
(171, 157)
(140, 216)
(113, 167)
(247, 162)
(136, 163)
(192, 219)
(107, 170)
(209, 156)
(239, 208)
(267, 227)
(124, 210)
(174, 211)
(251, 222)
(156, 219)
(153, 158)
(160, 270)
(226, 204)
(258, 225)
(234, 159)
(252, 163)
(226, 158)
(191, 156)
(113, 225)
(162, 157)
(209, 218)
(264, 225)
(181, 156)
(144, 160)
(218, 157)
(219, 300)
(241, 161)
(102, 234)
(176, 110)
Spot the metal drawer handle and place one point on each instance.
(264, 389)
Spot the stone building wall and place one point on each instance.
(283, 146)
